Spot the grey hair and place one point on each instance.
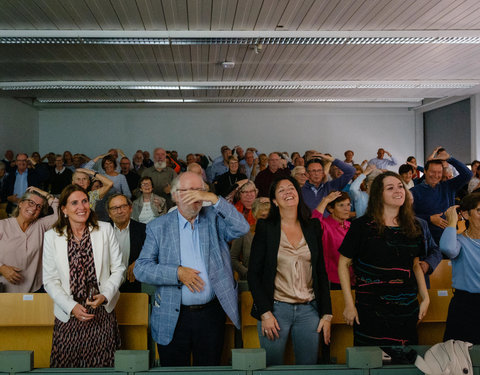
(26, 196)
(129, 201)
(175, 185)
(259, 205)
(247, 184)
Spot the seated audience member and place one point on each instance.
(360, 188)
(79, 160)
(463, 250)
(299, 162)
(219, 165)
(380, 162)
(262, 163)
(240, 251)
(138, 166)
(334, 228)
(68, 160)
(191, 158)
(249, 165)
(21, 242)
(130, 235)
(474, 165)
(230, 180)
(59, 177)
(83, 283)
(81, 177)
(411, 160)
(276, 168)
(287, 278)
(349, 157)
(299, 173)
(109, 165)
(147, 162)
(246, 196)
(131, 176)
(315, 188)
(406, 172)
(432, 197)
(3, 184)
(474, 183)
(148, 205)
(197, 168)
(9, 160)
(20, 179)
(162, 175)
(358, 172)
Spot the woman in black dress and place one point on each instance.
(384, 248)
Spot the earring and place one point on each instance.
(66, 215)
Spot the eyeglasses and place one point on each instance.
(33, 204)
(119, 208)
(146, 184)
(193, 189)
(248, 192)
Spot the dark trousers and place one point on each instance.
(462, 319)
(199, 332)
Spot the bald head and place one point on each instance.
(195, 168)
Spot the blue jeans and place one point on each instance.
(302, 321)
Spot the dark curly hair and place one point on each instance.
(109, 158)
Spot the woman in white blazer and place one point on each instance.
(82, 272)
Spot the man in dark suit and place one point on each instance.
(130, 235)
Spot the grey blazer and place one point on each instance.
(157, 211)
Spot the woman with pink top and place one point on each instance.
(335, 227)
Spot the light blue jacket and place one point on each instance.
(160, 259)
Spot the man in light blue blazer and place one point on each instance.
(186, 256)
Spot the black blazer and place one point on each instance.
(262, 267)
(137, 238)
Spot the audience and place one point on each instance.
(444, 177)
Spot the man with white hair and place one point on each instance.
(186, 256)
(161, 175)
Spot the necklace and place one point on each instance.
(471, 239)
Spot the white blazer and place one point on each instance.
(56, 270)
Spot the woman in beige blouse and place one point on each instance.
(21, 242)
(287, 277)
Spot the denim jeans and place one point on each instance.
(302, 321)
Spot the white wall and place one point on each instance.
(18, 127)
(206, 128)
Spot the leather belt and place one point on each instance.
(201, 307)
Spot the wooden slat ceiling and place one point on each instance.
(181, 64)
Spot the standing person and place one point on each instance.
(82, 272)
(277, 167)
(21, 242)
(384, 247)
(432, 197)
(130, 235)
(131, 176)
(287, 278)
(186, 257)
(335, 226)
(464, 251)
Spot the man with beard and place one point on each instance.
(161, 175)
(186, 256)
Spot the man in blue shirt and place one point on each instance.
(219, 165)
(432, 197)
(314, 189)
(380, 162)
(186, 256)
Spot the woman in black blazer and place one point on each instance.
(287, 277)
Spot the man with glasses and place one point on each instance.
(130, 235)
(186, 256)
(315, 189)
(20, 179)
